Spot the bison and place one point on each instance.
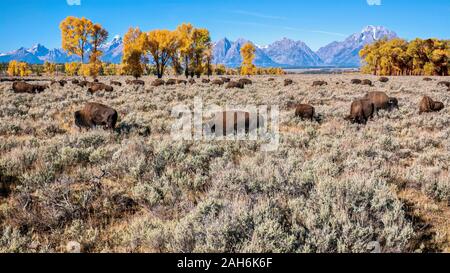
(191, 81)
(367, 82)
(444, 83)
(206, 80)
(97, 86)
(225, 79)
(136, 82)
(428, 105)
(116, 83)
(23, 87)
(84, 83)
(171, 82)
(356, 81)
(319, 83)
(61, 83)
(305, 111)
(361, 111)
(158, 82)
(245, 81)
(75, 81)
(233, 122)
(233, 84)
(182, 82)
(217, 82)
(383, 79)
(382, 101)
(271, 79)
(288, 82)
(96, 114)
(427, 79)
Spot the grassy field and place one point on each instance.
(330, 187)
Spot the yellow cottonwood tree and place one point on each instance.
(161, 44)
(75, 35)
(134, 46)
(13, 68)
(184, 34)
(72, 68)
(248, 55)
(49, 68)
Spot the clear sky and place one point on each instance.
(316, 22)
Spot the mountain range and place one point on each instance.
(285, 53)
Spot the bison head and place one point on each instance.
(79, 120)
(438, 106)
(393, 103)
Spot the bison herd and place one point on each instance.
(361, 110)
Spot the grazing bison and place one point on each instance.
(158, 82)
(246, 81)
(382, 101)
(60, 83)
(383, 79)
(305, 111)
(191, 81)
(225, 79)
(427, 79)
(97, 86)
(96, 114)
(361, 111)
(233, 122)
(206, 80)
(233, 84)
(75, 81)
(288, 82)
(319, 83)
(428, 105)
(84, 83)
(116, 83)
(356, 81)
(271, 79)
(367, 82)
(217, 82)
(23, 87)
(136, 82)
(182, 82)
(171, 82)
(444, 83)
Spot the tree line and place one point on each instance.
(398, 57)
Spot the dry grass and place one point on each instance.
(330, 187)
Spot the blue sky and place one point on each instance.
(316, 22)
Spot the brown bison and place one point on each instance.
(382, 101)
(225, 79)
(233, 84)
(233, 122)
(361, 111)
(319, 83)
(356, 81)
(75, 81)
(136, 82)
(97, 86)
(271, 79)
(217, 82)
(444, 83)
(245, 81)
(383, 79)
(23, 87)
(171, 82)
(428, 105)
(305, 111)
(367, 82)
(158, 82)
(96, 114)
(191, 81)
(288, 82)
(427, 79)
(182, 82)
(116, 83)
(206, 80)
(61, 83)
(84, 83)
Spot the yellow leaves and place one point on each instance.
(248, 55)
(135, 43)
(18, 69)
(72, 68)
(49, 68)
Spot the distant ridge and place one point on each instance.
(284, 53)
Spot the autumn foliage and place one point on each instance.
(399, 57)
(18, 69)
(248, 55)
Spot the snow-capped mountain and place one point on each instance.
(229, 53)
(283, 53)
(346, 53)
(289, 53)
